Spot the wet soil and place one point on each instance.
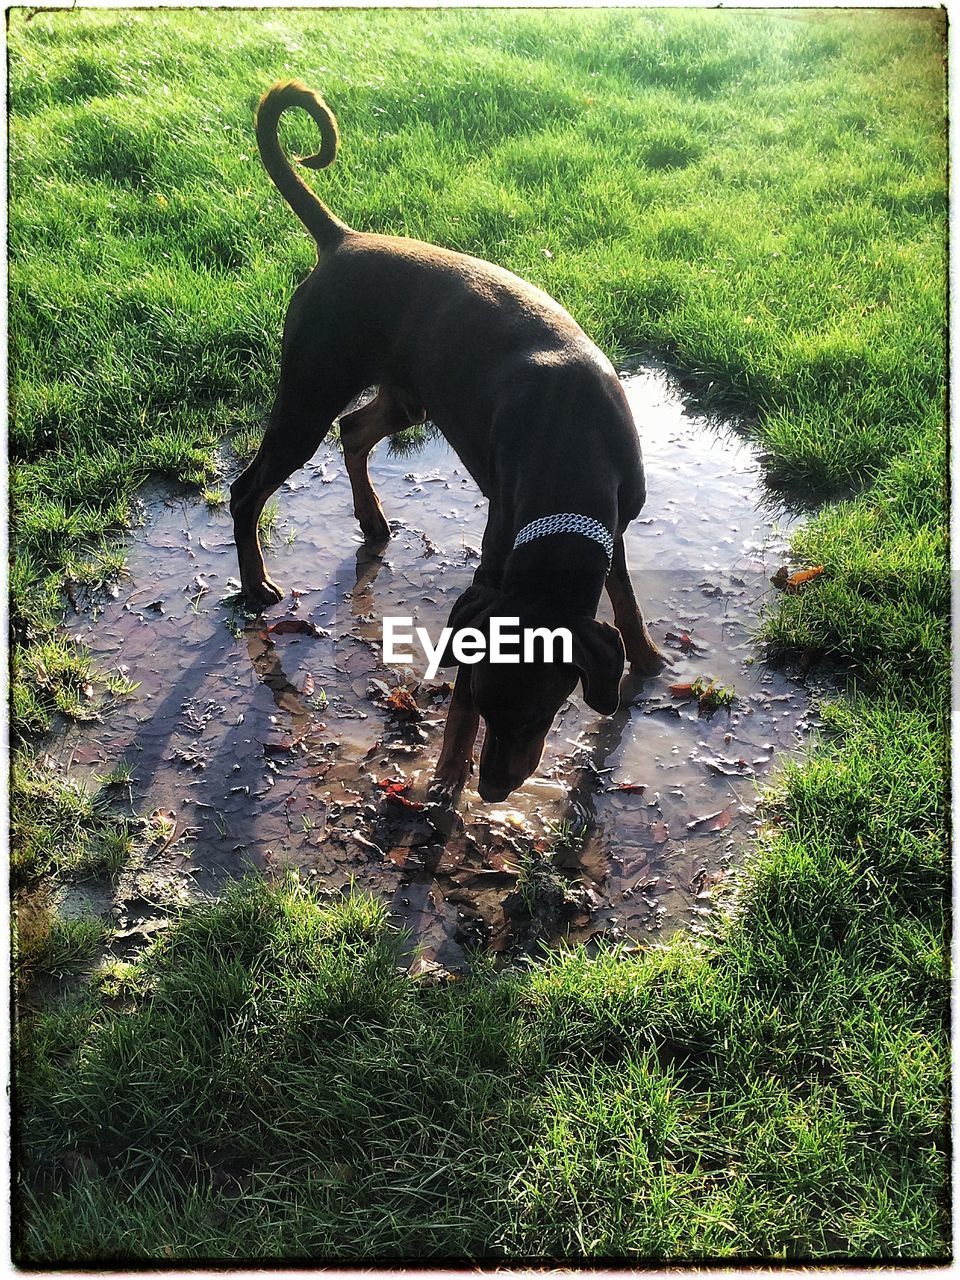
(296, 748)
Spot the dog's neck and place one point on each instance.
(564, 569)
(567, 522)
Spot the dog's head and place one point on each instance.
(519, 701)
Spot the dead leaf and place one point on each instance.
(631, 788)
(401, 700)
(783, 580)
(396, 797)
(683, 690)
(660, 833)
(725, 767)
(295, 626)
(797, 580)
(308, 686)
(499, 864)
(713, 821)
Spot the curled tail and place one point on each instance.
(325, 228)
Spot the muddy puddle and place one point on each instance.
(296, 748)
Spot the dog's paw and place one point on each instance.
(448, 782)
(443, 795)
(646, 660)
(375, 532)
(649, 665)
(262, 595)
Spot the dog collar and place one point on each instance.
(567, 522)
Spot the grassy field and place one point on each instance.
(759, 197)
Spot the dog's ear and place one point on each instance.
(474, 607)
(471, 610)
(599, 657)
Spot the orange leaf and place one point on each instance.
(395, 797)
(796, 580)
(401, 699)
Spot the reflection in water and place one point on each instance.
(289, 748)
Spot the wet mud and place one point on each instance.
(285, 743)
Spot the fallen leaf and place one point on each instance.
(724, 767)
(631, 788)
(295, 626)
(683, 690)
(499, 864)
(797, 580)
(660, 833)
(714, 821)
(308, 686)
(396, 797)
(784, 580)
(401, 700)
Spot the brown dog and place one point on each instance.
(531, 406)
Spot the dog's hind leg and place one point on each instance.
(386, 414)
(294, 432)
(642, 654)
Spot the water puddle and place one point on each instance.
(293, 748)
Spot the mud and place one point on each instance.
(269, 750)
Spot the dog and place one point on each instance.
(532, 408)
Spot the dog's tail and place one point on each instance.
(325, 228)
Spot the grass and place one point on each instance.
(760, 197)
(319, 1104)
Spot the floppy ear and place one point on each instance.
(471, 610)
(599, 657)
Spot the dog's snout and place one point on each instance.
(493, 793)
(505, 765)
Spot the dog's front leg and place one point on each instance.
(642, 654)
(459, 735)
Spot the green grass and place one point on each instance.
(760, 197)
(277, 1088)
